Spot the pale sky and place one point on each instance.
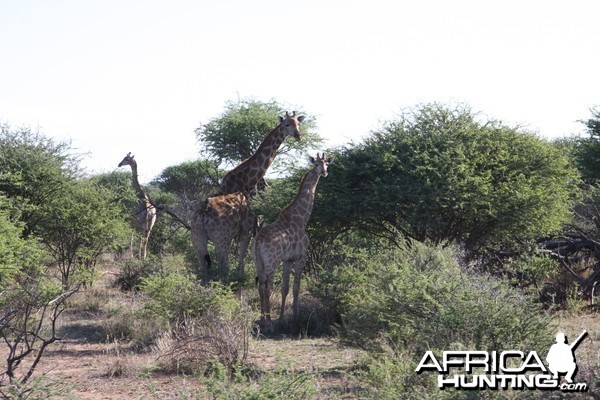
(118, 76)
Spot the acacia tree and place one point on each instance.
(442, 174)
(33, 170)
(79, 227)
(72, 218)
(191, 180)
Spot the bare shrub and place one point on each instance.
(219, 335)
(29, 316)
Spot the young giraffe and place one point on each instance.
(286, 240)
(144, 213)
(227, 215)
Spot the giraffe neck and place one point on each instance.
(245, 176)
(298, 212)
(139, 192)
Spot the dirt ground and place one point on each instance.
(86, 366)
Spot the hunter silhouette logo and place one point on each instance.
(511, 369)
(561, 357)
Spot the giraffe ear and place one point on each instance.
(301, 118)
(330, 160)
(281, 119)
(312, 160)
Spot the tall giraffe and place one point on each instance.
(227, 215)
(286, 241)
(144, 213)
(247, 174)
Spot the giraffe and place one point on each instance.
(144, 212)
(286, 241)
(249, 173)
(226, 215)
(222, 219)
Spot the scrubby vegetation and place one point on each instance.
(439, 231)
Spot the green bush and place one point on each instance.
(421, 299)
(176, 297)
(207, 324)
(441, 173)
(398, 304)
(132, 272)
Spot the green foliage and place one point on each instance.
(270, 202)
(124, 323)
(587, 149)
(420, 299)
(439, 174)
(169, 237)
(191, 179)
(390, 375)
(180, 188)
(238, 131)
(399, 303)
(74, 219)
(132, 272)
(177, 296)
(33, 169)
(118, 191)
(17, 255)
(78, 227)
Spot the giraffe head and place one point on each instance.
(128, 160)
(291, 124)
(320, 164)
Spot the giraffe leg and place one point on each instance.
(200, 241)
(244, 242)
(223, 249)
(264, 289)
(299, 266)
(144, 244)
(265, 269)
(285, 285)
(131, 245)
